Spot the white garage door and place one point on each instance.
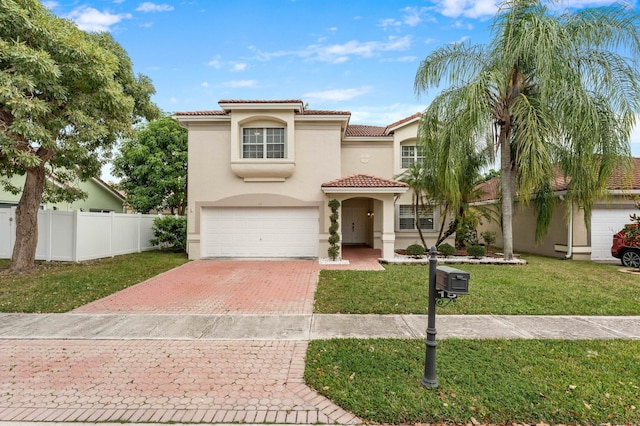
(260, 232)
(605, 223)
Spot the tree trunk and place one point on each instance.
(507, 182)
(24, 250)
(417, 219)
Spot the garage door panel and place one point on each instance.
(605, 223)
(260, 232)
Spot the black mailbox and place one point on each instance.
(452, 280)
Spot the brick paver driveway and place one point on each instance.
(220, 287)
(138, 380)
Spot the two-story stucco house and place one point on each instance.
(261, 174)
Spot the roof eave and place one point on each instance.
(367, 138)
(361, 190)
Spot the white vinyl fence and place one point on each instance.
(77, 236)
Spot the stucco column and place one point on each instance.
(388, 225)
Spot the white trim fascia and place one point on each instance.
(108, 188)
(384, 190)
(189, 118)
(319, 117)
(624, 192)
(405, 123)
(368, 139)
(560, 194)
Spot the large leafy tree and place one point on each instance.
(153, 167)
(553, 92)
(66, 96)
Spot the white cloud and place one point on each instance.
(215, 62)
(383, 115)
(238, 67)
(50, 4)
(338, 53)
(401, 59)
(467, 8)
(461, 40)
(390, 22)
(579, 3)
(173, 100)
(90, 19)
(479, 9)
(240, 83)
(148, 6)
(414, 15)
(336, 94)
(205, 84)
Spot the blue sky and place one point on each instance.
(354, 55)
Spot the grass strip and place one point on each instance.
(486, 381)
(545, 286)
(62, 286)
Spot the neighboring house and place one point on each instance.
(569, 236)
(262, 172)
(101, 197)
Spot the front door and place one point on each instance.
(354, 224)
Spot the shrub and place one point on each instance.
(476, 251)
(333, 252)
(489, 238)
(446, 249)
(334, 249)
(170, 232)
(415, 250)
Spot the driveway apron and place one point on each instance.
(185, 380)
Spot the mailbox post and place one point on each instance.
(429, 379)
(444, 282)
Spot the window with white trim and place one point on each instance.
(407, 218)
(411, 154)
(263, 142)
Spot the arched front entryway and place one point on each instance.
(366, 210)
(357, 222)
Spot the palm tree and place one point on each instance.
(550, 91)
(453, 190)
(416, 177)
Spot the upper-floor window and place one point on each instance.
(407, 217)
(411, 154)
(263, 142)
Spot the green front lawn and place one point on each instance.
(63, 286)
(544, 286)
(491, 381)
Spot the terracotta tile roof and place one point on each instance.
(404, 120)
(362, 130)
(201, 113)
(323, 112)
(619, 181)
(364, 181)
(489, 190)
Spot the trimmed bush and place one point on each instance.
(446, 249)
(334, 249)
(489, 238)
(415, 250)
(170, 233)
(476, 251)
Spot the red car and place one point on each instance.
(629, 255)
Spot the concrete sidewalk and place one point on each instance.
(305, 327)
